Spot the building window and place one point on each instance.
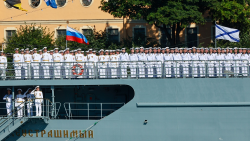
(140, 36)
(61, 33)
(9, 34)
(164, 40)
(113, 35)
(212, 34)
(87, 32)
(35, 3)
(60, 3)
(86, 2)
(192, 39)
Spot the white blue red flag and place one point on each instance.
(225, 33)
(74, 35)
(51, 3)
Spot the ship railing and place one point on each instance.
(124, 69)
(77, 110)
(206, 68)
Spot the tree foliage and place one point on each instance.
(30, 36)
(162, 13)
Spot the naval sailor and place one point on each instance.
(8, 99)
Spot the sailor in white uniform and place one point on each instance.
(159, 59)
(132, 65)
(211, 58)
(202, 59)
(244, 62)
(29, 94)
(36, 59)
(194, 63)
(124, 58)
(46, 64)
(8, 99)
(91, 63)
(177, 59)
(17, 60)
(19, 103)
(228, 62)
(236, 63)
(113, 64)
(38, 101)
(26, 65)
(3, 65)
(218, 62)
(168, 59)
(57, 63)
(185, 60)
(102, 65)
(141, 64)
(68, 63)
(150, 63)
(80, 59)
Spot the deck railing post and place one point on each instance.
(101, 110)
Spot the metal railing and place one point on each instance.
(124, 69)
(90, 110)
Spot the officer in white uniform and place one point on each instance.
(68, 63)
(29, 94)
(26, 65)
(228, 62)
(168, 60)
(244, 62)
(80, 59)
(177, 59)
(3, 65)
(159, 59)
(124, 57)
(91, 63)
(46, 62)
(185, 57)
(194, 63)
(57, 63)
(236, 63)
(202, 59)
(8, 99)
(150, 63)
(141, 64)
(132, 64)
(38, 101)
(19, 103)
(106, 64)
(36, 63)
(114, 64)
(211, 58)
(102, 64)
(218, 62)
(17, 60)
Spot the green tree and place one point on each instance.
(30, 36)
(164, 14)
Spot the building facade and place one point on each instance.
(85, 15)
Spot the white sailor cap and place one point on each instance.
(202, 48)
(90, 49)
(34, 48)
(19, 90)
(141, 47)
(146, 49)
(206, 48)
(155, 47)
(66, 49)
(150, 48)
(136, 48)
(94, 51)
(61, 51)
(166, 47)
(55, 48)
(72, 51)
(101, 50)
(235, 48)
(244, 48)
(79, 49)
(123, 48)
(159, 48)
(176, 48)
(16, 48)
(240, 48)
(87, 51)
(37, 87)
(172, 48)
(44, 48)
(8, 89)
(193, 47)
(82, 51)
(118, 50)
(51, 50)
(27, 49)
(31, 50)
(131, 48)
(180, 48)
(106, 50)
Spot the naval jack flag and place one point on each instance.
(225, 33)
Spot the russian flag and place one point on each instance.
(51, 3)
(74, 35)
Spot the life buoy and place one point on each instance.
(74, 69)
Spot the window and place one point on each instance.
(139, 36)
(86, 2)
(61, 33)
(9, 34)
(87, 32)
(164, 40)
(60, 3)
(192, 39)
(113, 35)
(35, 3)
(212, 34)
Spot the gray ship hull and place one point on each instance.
(207, 109)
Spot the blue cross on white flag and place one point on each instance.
(225, 33)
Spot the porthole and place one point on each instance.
(61, 3)
(35, 3)
(86, 3)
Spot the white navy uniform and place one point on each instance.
(8, 99)
(142, 58)
(228, 62)
(3, 66)
(57, 64)
(202, 59)
(185, 60)
(38, 102)
(51, 66)
(17, 60)
(150, 65)
(102, 66)
(236, 63)
(194, 56)
(132, 65)
(35, 64)
(79, 58)
(168, 59)
(177, 59)
(211, 58)
(219, 64)
(46, 64)
(159, 58)
(124, 57)
(68, 65)
(113, 65)
(244, 59)
(26, 65)
(91, 62)
(19, 99)
(30, 101)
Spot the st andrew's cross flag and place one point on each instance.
(225, 33)
(15, 3)
(74, 35)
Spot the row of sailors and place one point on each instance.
(30, 96)
(167, 55)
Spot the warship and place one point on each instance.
(132, 109)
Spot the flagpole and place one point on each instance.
(66, 33)
(215, 44)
